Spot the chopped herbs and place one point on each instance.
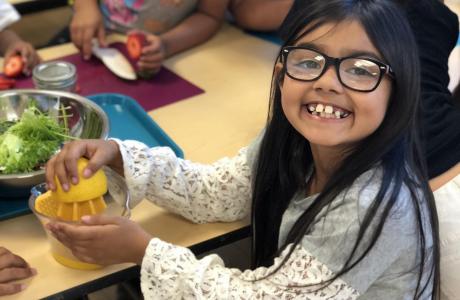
(29, 142)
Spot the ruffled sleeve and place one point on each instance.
(173, 272)
(198, 192)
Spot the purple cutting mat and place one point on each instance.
(93, 77)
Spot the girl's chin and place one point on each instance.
(327, 140)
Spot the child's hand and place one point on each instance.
(153, 54)
(87, 22)
(13, 267)
(103, 240)
(64, 164)
(27, 52)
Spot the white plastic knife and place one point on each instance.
(115, 61)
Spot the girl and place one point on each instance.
(341, 208)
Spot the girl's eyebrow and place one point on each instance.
(351, 52)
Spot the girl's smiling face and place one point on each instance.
(358, 114)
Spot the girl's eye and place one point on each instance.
(308, 64)
(360, 72)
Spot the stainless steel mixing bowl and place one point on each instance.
(87, 120)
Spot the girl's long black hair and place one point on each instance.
(285, 157)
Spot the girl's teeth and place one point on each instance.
(326, 111)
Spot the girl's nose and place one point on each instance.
(329, 82)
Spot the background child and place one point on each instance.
(174, 26)
(339, 197)
(10, 43)
(436, 30)
(260, 15)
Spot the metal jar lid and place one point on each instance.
(54, 74)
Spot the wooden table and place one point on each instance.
(235, 70)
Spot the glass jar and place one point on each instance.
(55, 75)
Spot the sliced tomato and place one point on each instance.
(134, 44)
(4, 87)
(13, 66)
(6, 83)
(77, 89)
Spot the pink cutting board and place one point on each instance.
(93, 77)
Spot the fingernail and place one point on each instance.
(86, 218)
(74, 180)
(50, 186)
(65, 187)
(22, 287)
(87, 173)
(33, 271)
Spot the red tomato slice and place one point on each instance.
(134, 45)
(13, 66)
(6, 83)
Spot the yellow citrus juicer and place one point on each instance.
(84, 198)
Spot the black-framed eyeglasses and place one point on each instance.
(356, 73)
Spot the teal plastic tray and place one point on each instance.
(128, 121)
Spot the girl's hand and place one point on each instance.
(103, 239)
(64, 164)
(13, 267)
(27, 52)
(87, 23)
(153, 54)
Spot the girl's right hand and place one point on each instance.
(87, 23)
(64, 164)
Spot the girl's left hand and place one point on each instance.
(28, 53)
(153, 54)
(103, 240)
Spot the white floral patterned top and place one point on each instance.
(222, 192)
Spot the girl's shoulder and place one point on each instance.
(367, 186)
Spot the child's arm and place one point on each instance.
(173, 272)
(219, 192)
(197, 28)
(11, 44)
(87, 22)
(262, 15)
(192, 31)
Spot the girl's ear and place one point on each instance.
(279, 74)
